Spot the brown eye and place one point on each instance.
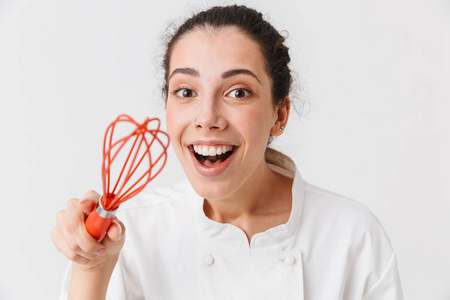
(184, 93)
(239, 93)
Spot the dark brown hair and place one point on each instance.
(250, 22)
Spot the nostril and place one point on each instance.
(209, 121)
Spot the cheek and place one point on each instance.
(173, 124)
(254, 123)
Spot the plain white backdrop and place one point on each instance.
(375, 77)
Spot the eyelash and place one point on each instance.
(242, 89)
(176, 91)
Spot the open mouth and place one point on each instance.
(211, 156)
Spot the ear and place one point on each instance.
(282, 116)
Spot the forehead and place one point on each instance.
(222, 48)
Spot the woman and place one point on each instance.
(247, 226)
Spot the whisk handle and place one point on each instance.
(99, 221)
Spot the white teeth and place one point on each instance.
(211, 151)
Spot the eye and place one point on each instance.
(240, 93)
(184, 93)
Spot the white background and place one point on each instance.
(375, 78)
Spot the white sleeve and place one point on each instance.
(66, 283)
(116, 289)
(388, 287)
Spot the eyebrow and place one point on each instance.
(227, 74)
(234, 72)
(186, 71)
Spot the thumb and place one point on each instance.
(115, 237)
(116, 230)
(89, 200)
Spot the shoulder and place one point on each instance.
(343, 219)
(324, 196)
(347, 237)
(337, 207)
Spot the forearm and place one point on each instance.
(87, 284)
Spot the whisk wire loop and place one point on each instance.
(101, 218)
(126, 161)
(140, 150)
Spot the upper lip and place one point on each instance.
(211, 143)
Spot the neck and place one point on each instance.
(265, 193)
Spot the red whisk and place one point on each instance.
(143, 144)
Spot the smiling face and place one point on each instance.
(220, 111)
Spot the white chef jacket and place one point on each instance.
(331, 248)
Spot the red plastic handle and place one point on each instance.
(98, 226)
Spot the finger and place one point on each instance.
(65, 247)
(73, 256)
(59, 230)
(89, 200)
(116, 231)
(89, 244)
(75, 233)
(73, 216)
(56, 237)
(86, 246)
(91, 195)
(115, 237)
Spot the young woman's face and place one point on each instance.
(220, 111)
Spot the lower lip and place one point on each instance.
(215, 170)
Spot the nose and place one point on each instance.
(210, 116)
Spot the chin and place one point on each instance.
(211, 190)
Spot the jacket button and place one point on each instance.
(289, 260)
(208, 260)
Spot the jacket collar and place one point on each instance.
(278, 237)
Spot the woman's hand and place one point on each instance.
(93, 262)
(72, 239)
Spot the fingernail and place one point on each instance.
(100, 252)
(120, 228)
